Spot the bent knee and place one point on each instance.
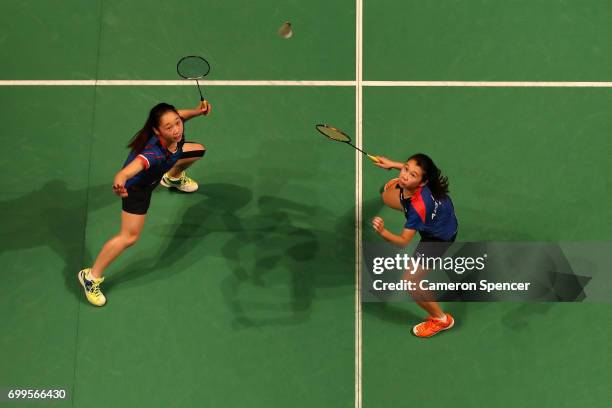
(192, 147)
(130, 239)
(195, 152)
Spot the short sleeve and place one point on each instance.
(150, 157)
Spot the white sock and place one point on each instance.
(89, 276)
(175, 178)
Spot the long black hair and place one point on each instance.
(138, 142)
(432, 175)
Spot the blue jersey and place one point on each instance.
(157, 160)
(431, 217)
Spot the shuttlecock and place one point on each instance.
(285, 30)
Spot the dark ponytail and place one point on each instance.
(437, 183)
(138, 142)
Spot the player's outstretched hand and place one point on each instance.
(378, 224)
(119, 187)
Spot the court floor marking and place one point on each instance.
(93, 126)
(357, 83)
(358, 194)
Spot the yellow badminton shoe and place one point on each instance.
(91, 286)
(182, 183)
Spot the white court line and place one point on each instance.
(107, 82)
(460, 84)
(358, 197)
(490, 84)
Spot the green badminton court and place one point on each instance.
(243, 294)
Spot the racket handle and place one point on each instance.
(373, 158)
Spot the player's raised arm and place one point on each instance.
(204, 108)
(388, 164)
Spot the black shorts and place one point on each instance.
(138, 199)
(432, 247)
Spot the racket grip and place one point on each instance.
(373, 158)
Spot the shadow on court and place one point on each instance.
(216, 212)
(277, 272)
(53, 216)
(518, 317)
(275, 243)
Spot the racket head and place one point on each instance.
(192, 67)
(333, 133)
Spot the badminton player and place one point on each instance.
(158, 154)
(421, 192)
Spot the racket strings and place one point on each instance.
(339, 136)
(193, 67)
(333, 133)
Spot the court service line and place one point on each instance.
(489, 84)
(358, 197)
(459, 84)
(107, 82)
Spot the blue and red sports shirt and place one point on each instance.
(157, 160)
(431, 217)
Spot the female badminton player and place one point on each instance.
(158, 154)
(421, 192)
